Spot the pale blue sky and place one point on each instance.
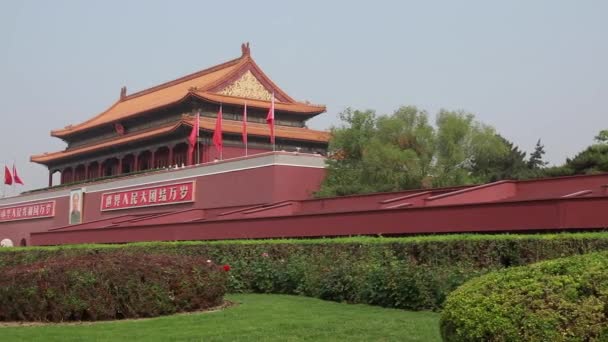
(531, 69)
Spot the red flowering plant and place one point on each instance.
(226, 267)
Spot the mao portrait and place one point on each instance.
(76, 206)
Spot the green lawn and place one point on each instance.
(256, 317)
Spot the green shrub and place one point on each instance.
(408, 272)
(558, 300)
(101, 286)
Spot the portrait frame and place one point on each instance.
(76, 200)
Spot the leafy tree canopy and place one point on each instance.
(371, 153)
(593, 159)
(602, 137)
(403, 150)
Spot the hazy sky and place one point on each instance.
(531, 69)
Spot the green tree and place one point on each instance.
(407, 130)
(385, 153)
(386, 167)
(536, 161)
(511, 165)
(465, 149)
(602, 137)
(348, 141)
(593, 159)
(370, 153)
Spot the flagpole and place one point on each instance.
(217, 133)
(270, 121)
(245, 123)
(221, 133)
(4, 185)
(198, 151)
(274, 140)
(198, 143)
(14, 183)
(6, 191)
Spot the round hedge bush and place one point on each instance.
(558, 300)
(109, 286)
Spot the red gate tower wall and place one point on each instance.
(230, 184)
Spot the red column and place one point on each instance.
(50, 178)
(152, 155)
(119, 171)
(99, 169)
(86, 171)
(71, 174)
(170, 161)
(135, 162)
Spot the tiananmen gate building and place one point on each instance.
(126, 176)
(148, 129)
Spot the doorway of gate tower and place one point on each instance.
(128, 163)
(180, 154)
(110, 167)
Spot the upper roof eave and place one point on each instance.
(70, 129)
(231, 127)
(65, 133)
(164, 95)
(296, 108)
(46, 158)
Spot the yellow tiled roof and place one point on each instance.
(201, 84)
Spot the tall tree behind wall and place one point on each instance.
(593, 159)
(403, 150)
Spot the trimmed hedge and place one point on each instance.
(558, 300)
(101, 286)
(410, 272)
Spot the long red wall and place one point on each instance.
(535, 215)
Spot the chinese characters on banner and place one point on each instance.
(146, 197)
(27, 211)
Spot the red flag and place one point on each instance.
(270, 120)
(8, 179)
(245, 125)
(217, 134)
(193, 138)
(16, 176)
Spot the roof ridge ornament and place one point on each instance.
(123, 93)
(245, 49)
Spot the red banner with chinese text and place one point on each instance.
(27, 211)
(147, 197)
